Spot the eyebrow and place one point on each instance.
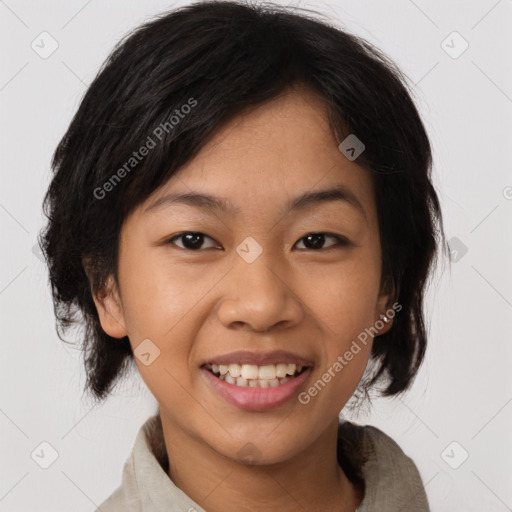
(216, 204)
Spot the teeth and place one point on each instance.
(250, 371)
(254, 376)
(267, 372)
(234, 370)
(281, 370)
(254, 383)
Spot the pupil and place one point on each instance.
(193, 240)
(317, 240)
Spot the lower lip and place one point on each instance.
(257, 399)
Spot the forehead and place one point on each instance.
(271, 154)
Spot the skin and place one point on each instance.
(197, 304)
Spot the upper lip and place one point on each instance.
(259, 358)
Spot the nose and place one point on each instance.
(259, 298)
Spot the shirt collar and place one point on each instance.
(146, 471)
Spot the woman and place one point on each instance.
(242, 208)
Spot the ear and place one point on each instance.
(109, 306)
(385, 300)
(110, 310)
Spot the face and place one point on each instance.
(262, 271)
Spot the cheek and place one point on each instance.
(155, 297)
(344, 298)
(161, 305)
(345, 356)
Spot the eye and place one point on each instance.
(192, 240)
(316, 240)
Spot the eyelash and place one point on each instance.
(342, 242)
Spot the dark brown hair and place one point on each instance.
(228, 56)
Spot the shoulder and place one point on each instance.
(127, 497)
(391, 478)
(113, 503)
(145, 485)
(384, 447)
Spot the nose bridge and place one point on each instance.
(261, 277)
(256, 264)
(258, 295)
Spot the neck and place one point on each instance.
(311, 480)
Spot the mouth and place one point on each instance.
(257, 381)
(256, 376)
(252, 387)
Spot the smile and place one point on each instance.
(255, 376)
(256, 394)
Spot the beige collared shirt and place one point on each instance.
(391, 480)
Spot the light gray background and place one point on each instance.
(463, 392)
